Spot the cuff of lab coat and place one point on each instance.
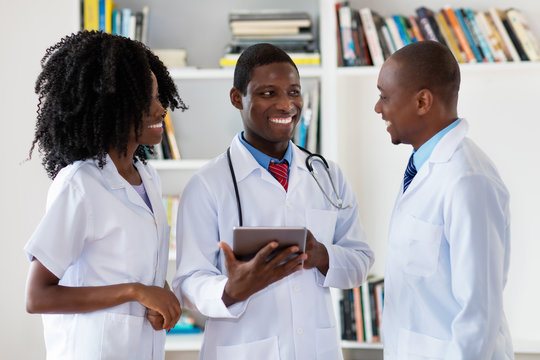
(321, 279)
(327, 281)
(233, 311)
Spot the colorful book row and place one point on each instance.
(361, 311)
(103, 15)
(367, 38)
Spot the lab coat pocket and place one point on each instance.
(322, 224)
(421, 248)
(416, 346)
(327, 344)
(122, 336)
(261, 349)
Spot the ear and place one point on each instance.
(424, 101)
(236, 98)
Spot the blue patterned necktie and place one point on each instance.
(409, 173)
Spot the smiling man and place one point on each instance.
(278, 308)
(449, 237)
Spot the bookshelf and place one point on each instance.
(498, 100)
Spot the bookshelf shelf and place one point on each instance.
(178, 164)
(226, 73)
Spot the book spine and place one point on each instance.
(358, 317)
(372, 37)
(518, 25)
(477, 31)
(493, 42)
(394, 32)
(425, 25)
(91, 14)
(347, 43)
(449, 37)
(401, 29)
(509, 45)
(471, 40)
(416, 29)
(458, 32)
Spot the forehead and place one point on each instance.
(394, 76)
(280, 73)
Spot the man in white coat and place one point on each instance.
(259, 309)
(449, 243)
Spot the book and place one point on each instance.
(144, 27)
(394, 32)
(402, 29)
(358, 315)
(452, 20)
(415, 28)
(126, 19)
(495, 15)
(383, 34)
(478, 34)
(524, 34)
(110, 5)
(360, 43)
(366, 306)
(492, 37)
(313, 128)
(91, 14)
(428, 25)
(467, 30)
(172, 57)
(372, 36)
(337, 5)
(512, 35)
(347, 42)
(171, 136)
(449, 37)
(300, 59)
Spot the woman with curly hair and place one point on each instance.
(99, 255)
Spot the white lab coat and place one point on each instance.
(98, 231)
(292, 318)
(447, 264)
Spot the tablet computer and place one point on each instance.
(248, 240)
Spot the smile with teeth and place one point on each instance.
(281, 120)
(154, 126)
(387, 123)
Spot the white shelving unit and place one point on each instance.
(499, 100)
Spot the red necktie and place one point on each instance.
(279, 170)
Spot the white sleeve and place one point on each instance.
(59, 238)
(199, 281)
(350, 257)
(477, 226)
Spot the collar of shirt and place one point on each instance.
(263, 159)
(424, 152)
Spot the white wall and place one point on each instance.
(27, 28)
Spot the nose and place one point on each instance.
(377, 107)
(285, 103)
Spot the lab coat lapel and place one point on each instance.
(117, 182)
(298, 165)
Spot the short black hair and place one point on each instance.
(257, 55)
(93, 88)
(430, 65)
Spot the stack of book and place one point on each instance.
(367, 38)
(361, 311)
(292, 31)
(105, 16)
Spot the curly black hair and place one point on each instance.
(92, 89)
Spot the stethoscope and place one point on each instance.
(311, 159)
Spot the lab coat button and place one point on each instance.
(296, 288)
(299, 331)
(287, 204)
